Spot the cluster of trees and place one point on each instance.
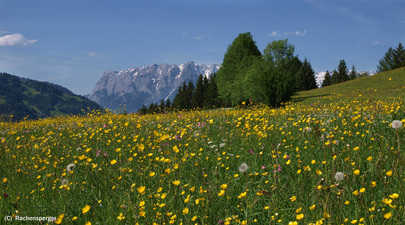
(246, 75)
(393, 59)
(270, 78)
(203, 94)
(342, 74)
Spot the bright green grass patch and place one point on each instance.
(383, 86)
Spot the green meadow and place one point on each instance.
(334, 155)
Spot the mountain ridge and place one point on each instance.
(132, 88)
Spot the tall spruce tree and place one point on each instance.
(180, 100)
(399, 56)
(343, 71)
(335, 77)
(198, 94)
(386, 63)
(293, 67)
(392, 59)
(238, 59)
(327, 79)
(353, 73)
(189, 95)
(307, 77)
(211, 93)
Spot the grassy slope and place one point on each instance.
(387, 85)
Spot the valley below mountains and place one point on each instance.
(132, 88)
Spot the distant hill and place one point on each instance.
(21, 97)
(381, 86)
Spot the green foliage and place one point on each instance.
(197, 99)
(342, 74)
(238, 59)
(392, 59)
(327, 80)
(211, 93)
(188, 97)
(23, 97)
(306, 77)
(386, 63)
(353, 73)
(268, 84)
(279, 52)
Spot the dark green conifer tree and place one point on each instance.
(342, 71)
(327, 79)
(353, 73)
(335, 77)
(307, 77)
(211, 93)
(198, 94)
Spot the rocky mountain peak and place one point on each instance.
(139, 86)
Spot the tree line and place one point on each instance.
(341, 74)
(202, 95)
(270, 77)
(393, 59)
(246, 75)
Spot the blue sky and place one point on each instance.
(72, 43)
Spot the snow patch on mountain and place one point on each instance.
(139, 86)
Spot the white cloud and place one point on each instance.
(273, 34)
(92, 53)
(184, 33)
(198, 38)
(15, 40)
(376, 42)
(298, 33)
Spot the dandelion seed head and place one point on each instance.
(339, 176)
(243, 167)
(396, 124)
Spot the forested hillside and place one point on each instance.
(21, 97)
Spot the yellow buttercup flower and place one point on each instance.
(141, 190)
(121, 216)
(387, 215)
(394, 196)
(85, 209)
